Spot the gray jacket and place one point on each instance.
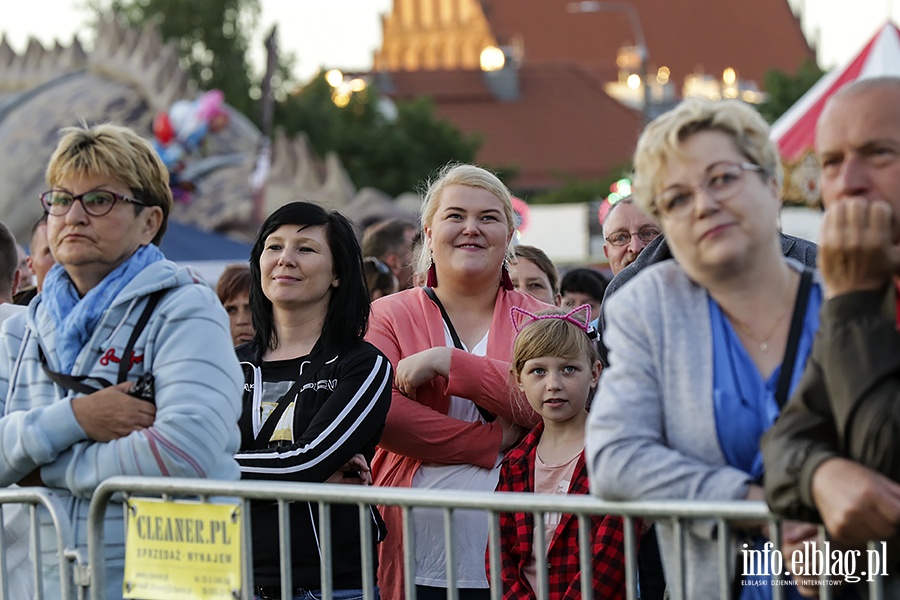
(186, 345)
(651, 434)
(658, 250)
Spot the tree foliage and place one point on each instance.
(785, 89)
(392, 147)
(212, 38)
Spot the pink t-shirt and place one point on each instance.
(549, 479)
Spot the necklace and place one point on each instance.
(763, 342)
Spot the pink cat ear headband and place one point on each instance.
(521, 317)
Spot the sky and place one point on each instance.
(344, 33)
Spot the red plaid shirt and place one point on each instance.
(564, 573)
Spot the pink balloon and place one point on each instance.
(209, 104)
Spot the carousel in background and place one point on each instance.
(795, 131)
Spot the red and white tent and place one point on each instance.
(795, 131)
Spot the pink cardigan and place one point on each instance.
(419, 430)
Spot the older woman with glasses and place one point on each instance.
(704, 349)
(123, 364)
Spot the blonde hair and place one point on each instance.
(118, 153)
(461, 174)
(552, 337)
(663, 137)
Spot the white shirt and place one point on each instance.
(470, 527)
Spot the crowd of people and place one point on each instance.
(724, 360)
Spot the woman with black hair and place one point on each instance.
(316, 395)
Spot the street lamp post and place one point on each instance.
(593, 6)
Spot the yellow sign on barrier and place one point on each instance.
(182, 550)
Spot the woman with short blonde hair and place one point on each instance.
(700, 352)
(123, 364)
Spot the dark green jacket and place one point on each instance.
(847, 404)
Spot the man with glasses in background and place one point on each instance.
(626, 232)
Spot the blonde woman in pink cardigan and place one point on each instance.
(453, 411)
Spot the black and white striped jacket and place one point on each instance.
(339, 412)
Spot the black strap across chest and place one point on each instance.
(485, 413)
(793, 342)
(76, 382)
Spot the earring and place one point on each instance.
(431, 280)
(505, 281)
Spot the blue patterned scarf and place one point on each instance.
(76, 317)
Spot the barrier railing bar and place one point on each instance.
(540, 550)
(325, 568)
(34, 549)
(630, 561)
(778, 592)
(409, 553)
(723, 538)
(494, 551)
(42, 497)
(285, 561)
(450, 563)
(676, 512)
(368, 566)
(585, 556)
(247, 551)
(876, 584)
(679, 583)
(824, 590)
(96, 560)
(344, 494)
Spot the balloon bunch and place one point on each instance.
(179, 132)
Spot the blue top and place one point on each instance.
(744, 402)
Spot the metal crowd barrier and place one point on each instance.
(35, 499)
(679, 513)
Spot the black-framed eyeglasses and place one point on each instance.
(95, 203)
(723, 181)
(621, 238)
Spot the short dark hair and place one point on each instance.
(348, 310)
(542, 262)
(37, 224)
(385, 237)
(379, 276)
(9, 261)
(234, 279)
(584, 281)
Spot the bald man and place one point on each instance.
(834, 454)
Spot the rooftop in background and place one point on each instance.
(549, 110)
(686, 36)
(563, 124)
